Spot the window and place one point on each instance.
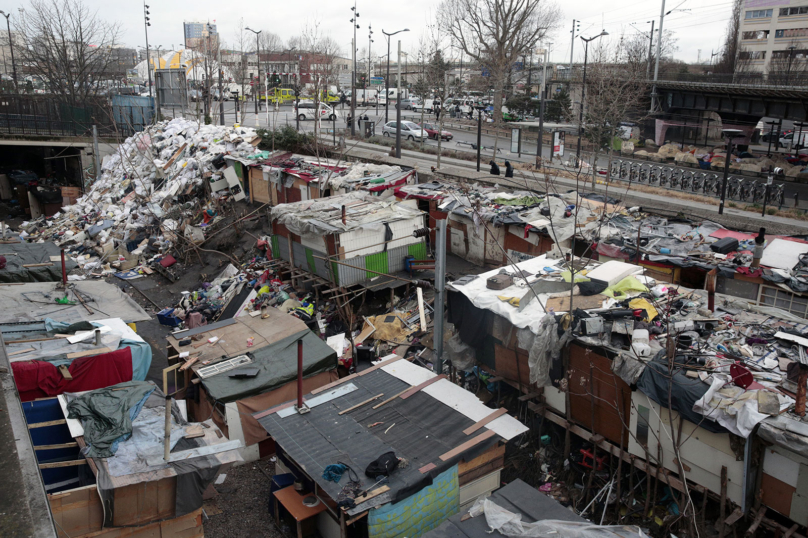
(752, 55)
(785, 300)
(795, 54)
(791, 11)
(758, 14)
(643, 416)
(757, 34)
(793, 32)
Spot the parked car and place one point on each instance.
(409, 103)
(773, 136)
(794, 140)
(409, 130)
(426, 105)
(305, 110)
(432, 131)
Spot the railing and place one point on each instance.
(755, 80)
(33, 125)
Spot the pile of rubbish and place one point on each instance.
(154, 193)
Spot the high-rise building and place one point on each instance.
(196, 32)
(774, 36)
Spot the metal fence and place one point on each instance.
(742, 189)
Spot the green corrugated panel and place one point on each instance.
(310, 259)
(335, 273)
(276, 247)
(418, 250)
(376, 262)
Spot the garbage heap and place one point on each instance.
(153, 193)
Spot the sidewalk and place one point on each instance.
(461, 170)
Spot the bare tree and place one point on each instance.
(789, 66)
(240, 68)
(729, 51)
(615, 92)
(322, 52)
(495, 33)
(68, 46)
(270, 41)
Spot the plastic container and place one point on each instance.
(640, 336)
(640, 349)
(166, 317)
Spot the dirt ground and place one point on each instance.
(241, 509)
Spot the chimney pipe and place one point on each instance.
(343, 215)
(300, 372)
(710, 285)
(64, 269)
(760, 240)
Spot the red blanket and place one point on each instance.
(41, 379)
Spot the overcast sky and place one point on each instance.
(698, 24)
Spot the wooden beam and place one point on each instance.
(54, 447)
(357, 406)
(480, 423)
(62, 464)
(370, 495)
(418, 388)
(468, 444)
(388, 400)
(46, 424)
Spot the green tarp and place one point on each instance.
(277, 365)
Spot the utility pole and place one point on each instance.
(541, 108)
(650, 48)
(398, 108)
(656, 63)
(258, 60)
(387, 79)
(440, 284)
(572, 45)
(221, 91)
(354, 23)
(11, 46)
(370, 40)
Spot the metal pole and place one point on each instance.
(656, 60)
(726, 174)
(572, 46)
(479, 135)
(387, 82)
(440, 283)
(221, 91)
(541, 108)
(96, 169)
(398, 108)
(650, 49)
(765, 199)
(148, 56)
(11, 47)
(581, 112)
(258, 61)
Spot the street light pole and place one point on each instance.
(398, 108)
(354, 21)
(11, 46)
(258, 59)
(730, 134)
(148, 56)
(541, 108)
(583, 95)
(387, 78)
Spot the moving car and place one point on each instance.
(409, 103)
(432, 131)
(794, 140)
(305, 111)
(409, 130)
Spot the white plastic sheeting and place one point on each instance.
(510, 524)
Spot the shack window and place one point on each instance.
(643, 416)
(785, 300)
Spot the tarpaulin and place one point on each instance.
(107, 414)
(277, 365)
(32, 254)
(418, 513)
(41, 379)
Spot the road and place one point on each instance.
(461, 141)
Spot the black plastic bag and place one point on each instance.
(382, 466)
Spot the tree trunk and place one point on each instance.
(498, 98)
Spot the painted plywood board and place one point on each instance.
(783, 254)
(781, 467)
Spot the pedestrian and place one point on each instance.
(494, 168)
(349, 120)
(457, 111)
(471, 113)
(508, 169)
(437, 112)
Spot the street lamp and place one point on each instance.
(387, 79)
(297, 95)
(355, 25)
(148, 57)
(258, 59)
(541, 107)
(11, 46)
(583, 94)
(729, 134)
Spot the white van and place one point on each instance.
(305, 111)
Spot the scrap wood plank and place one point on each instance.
(562, 304)
(480, 423)
(62, 464)
(46, 264)
(388, 400)
(184, 455)
(20, 352)
(468, 444)
(189, 363)
(54, 447)
(426, 468)
(409, 392)
(357, 406)
(88, 352)
(349, 377)
(370, 495)
(46, 424)
(174, 157)
(738, 514)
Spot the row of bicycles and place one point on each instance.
(708, 183)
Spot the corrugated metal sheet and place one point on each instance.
(395, 262)
(365, 241)
(299, 252)
(283, 247)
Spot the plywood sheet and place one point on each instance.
(783, 254)
(562, 304)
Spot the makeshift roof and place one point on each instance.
(37, 300)
(516, 497)
(323, 216)
(20, 254)
(424, 428)
(276, 364)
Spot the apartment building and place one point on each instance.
(774, 35)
